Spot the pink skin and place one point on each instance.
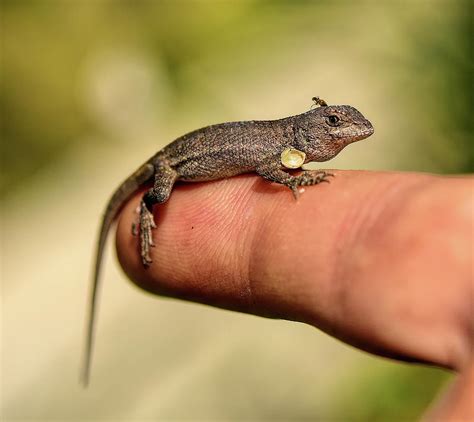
(382, 261)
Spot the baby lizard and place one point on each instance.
(224, 150)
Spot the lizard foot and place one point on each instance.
(309, 178)
(147, 224)
(313, 177)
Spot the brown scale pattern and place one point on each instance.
(225, 150)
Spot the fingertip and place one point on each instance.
(201, 243)
(238, 243)
(245, 244)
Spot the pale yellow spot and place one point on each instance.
(292, 158)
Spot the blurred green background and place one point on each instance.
(91, 88)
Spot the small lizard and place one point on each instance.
(225, 150)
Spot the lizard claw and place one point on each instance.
(309, 178)
(293, 185)
(325, 175)
(314, 177)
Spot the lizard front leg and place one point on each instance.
(165, 177)
(272, 171)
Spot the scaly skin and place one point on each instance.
(225, 150)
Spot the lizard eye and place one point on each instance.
(333, 120)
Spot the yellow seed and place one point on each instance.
(292, 158)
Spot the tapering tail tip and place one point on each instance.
(85, 374)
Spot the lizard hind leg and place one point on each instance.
(146, 224)
(165, 177)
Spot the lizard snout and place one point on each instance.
(369, 129)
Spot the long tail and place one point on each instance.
(124, 191)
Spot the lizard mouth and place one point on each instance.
(369, 129)
(366, 131)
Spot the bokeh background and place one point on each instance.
(91, 88)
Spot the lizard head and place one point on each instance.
(323, 132)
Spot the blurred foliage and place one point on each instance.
(421, 68)
(45, 44)
(389, 393)
(440, 69)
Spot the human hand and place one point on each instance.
(382, 261)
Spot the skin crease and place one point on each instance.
(382, 261)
